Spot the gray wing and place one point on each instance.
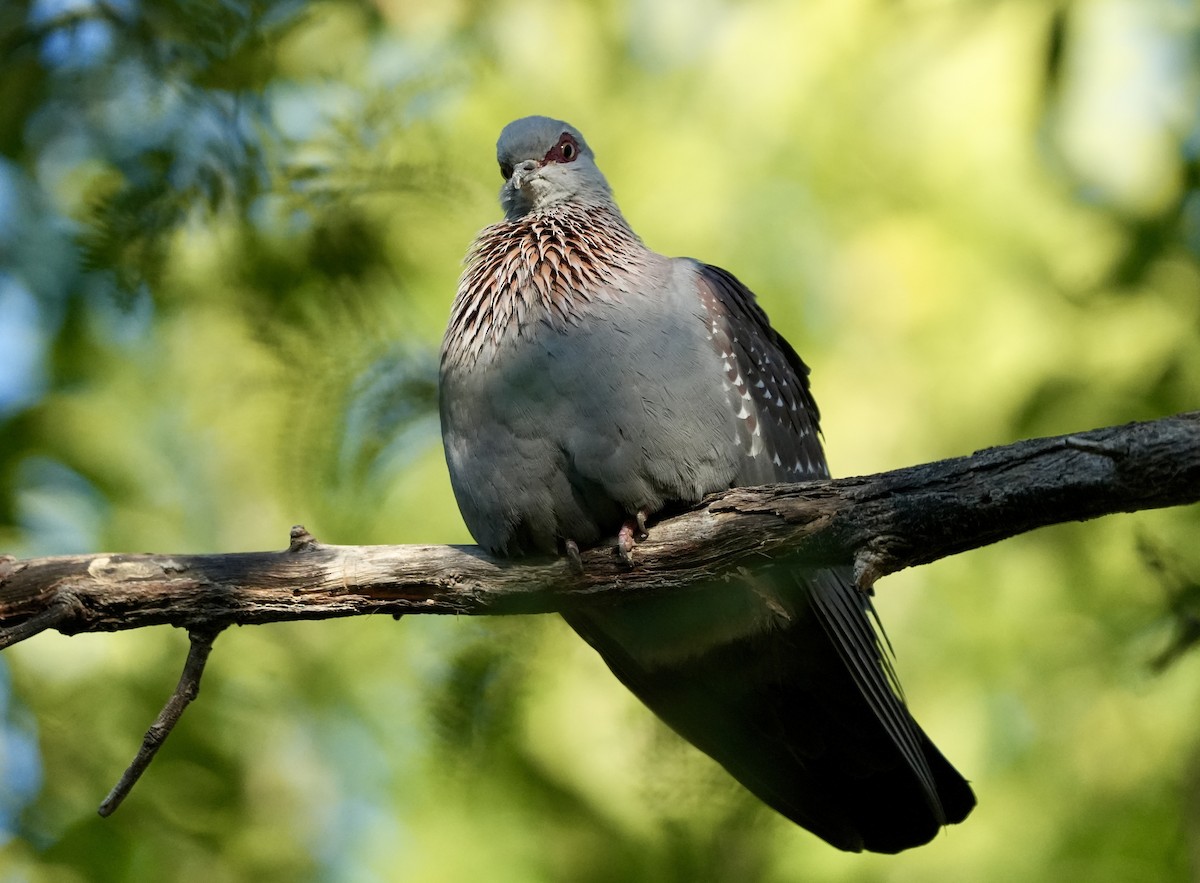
(780, 676)
(767, 385)
(772, 383)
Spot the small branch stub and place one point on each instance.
(300, 540)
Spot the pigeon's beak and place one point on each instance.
(522, 172)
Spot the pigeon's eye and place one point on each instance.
(566, 150)
(506, 170)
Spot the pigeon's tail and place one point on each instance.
(803, 712)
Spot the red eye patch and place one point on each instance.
(566, 150)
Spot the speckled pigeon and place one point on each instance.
(588, 383)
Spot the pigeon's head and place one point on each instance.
(544, 163)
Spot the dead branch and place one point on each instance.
(882, 523)
(186, 690)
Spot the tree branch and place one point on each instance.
(186, 690)
(882, 523)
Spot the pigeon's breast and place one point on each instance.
(573, 409)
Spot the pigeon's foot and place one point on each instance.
(573, 556)
(631, 532)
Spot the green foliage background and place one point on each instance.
(229, 237)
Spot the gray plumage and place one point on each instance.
(586, 379)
